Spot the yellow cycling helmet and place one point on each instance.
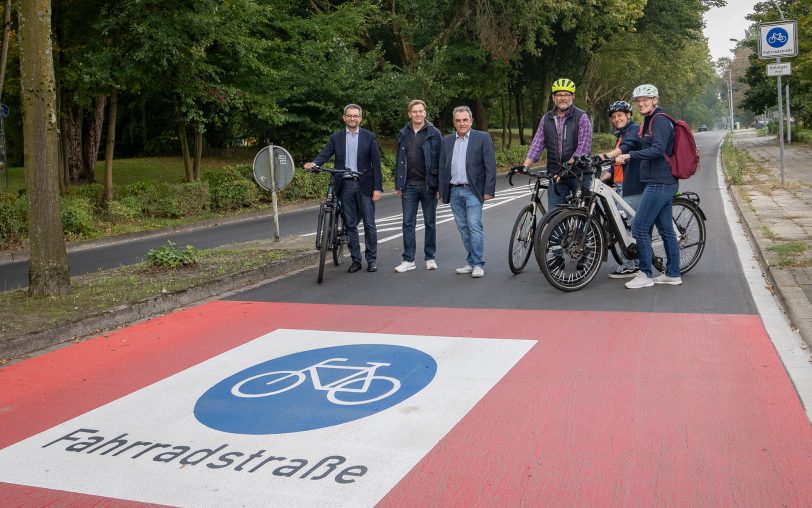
(563, 85)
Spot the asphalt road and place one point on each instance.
(715, 285)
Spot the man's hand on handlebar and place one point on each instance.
(309, 166)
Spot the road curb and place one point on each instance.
(793, 300)
(147, 308)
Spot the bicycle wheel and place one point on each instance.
(339, 238)
(319, 226)
(572, 248)
(689, 223)
(521, 239)
(540, 227)
(378, 390)
(326, 240)
(279, 381)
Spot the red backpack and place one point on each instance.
(684, 158)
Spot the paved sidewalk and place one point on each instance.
(777, 216)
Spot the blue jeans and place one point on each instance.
(467, 209)
(565, 188)
(427, 199)
(358, 206)
(633, 201)
(655, 208)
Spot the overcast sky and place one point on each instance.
(725, 23)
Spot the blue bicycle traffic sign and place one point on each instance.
(4, 111)
(315, 389)
(778, 40)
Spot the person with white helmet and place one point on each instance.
(628, 139)
(659, 188)
(566, 133)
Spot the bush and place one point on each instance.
(603, 142)
(125, 210)
(171, 256)
(306, 186)
(191, 198)
(512, 156)
(13, 221)
(229, 190)
(91, 191)
(77, 217)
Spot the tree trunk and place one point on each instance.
(48, 273)
(184, 147)
(111, 146)
(4, 46)
(72, 137)
(198, 152)
(480, 117)
(144, 131)
(91, 138)
(520, 113)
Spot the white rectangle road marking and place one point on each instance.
(350, 464)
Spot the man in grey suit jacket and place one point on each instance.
(357, 149)
(467, 180)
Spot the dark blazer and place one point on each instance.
(480, 165)
(369, 158)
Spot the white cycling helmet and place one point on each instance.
(645, 91)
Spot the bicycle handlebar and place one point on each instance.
(318, 169)
(521, 170)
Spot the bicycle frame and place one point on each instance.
(366, 372)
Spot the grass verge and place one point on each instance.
(108, 289)
(790, 254)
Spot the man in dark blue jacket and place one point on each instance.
(467, 180)
(416, 173)
(356, 149)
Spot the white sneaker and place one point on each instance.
(478, 272)
(640, 280)
(465, 270)
(431, 264)
(665, 279)
(405, 266)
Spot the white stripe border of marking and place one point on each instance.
(787, 343)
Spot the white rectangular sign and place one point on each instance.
(153, 446)
(778, 40)
(781, 69)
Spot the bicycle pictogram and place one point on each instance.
(777, 37)
(360, 380)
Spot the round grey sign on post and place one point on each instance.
(282, 167)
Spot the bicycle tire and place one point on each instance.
(332, 397)
(521, 239)
(540, 227)
(571, 261)
(297, 377)
(689, 221)
(326, 241)
(339, 238)
(319, 226)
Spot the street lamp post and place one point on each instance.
(730, 85)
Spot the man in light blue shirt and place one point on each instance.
(467, 180)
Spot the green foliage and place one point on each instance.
(306, 186)
(512, 156)
(388, 168)
(125, 210)
(12, 218)
(171, 256)
(229, 190)
(802, 135)
(603, 142)
(77, 217)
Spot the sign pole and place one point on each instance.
(3, 147)
(272, 161)
(789, 118)
(780, 125)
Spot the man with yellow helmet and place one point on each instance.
(566, 132)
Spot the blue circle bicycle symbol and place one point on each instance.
(777, 37)
(315, 389)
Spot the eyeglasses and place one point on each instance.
(352, 116)
(643, 99)
(562, 95)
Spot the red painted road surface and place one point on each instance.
(609, 409)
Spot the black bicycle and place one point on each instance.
(331, 232)
(573, 240)
(524, 229)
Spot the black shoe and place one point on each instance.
(354, 267)
(372, 267)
